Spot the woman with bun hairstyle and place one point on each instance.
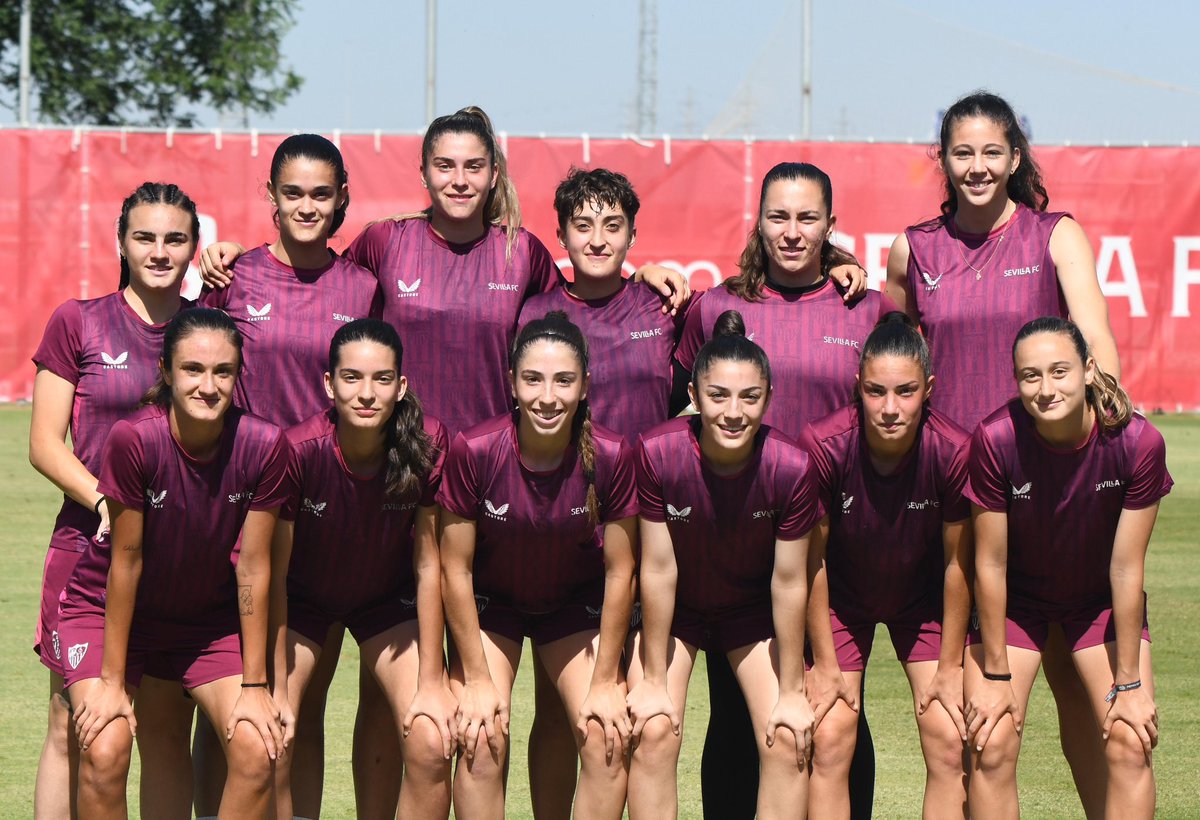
(96, 358)
(727, 505)
(812, 330)
(996, 258)
(539, 528)
(1065, 483)
(194, 486)
(893, 547)
(361, 533)
(288, 298)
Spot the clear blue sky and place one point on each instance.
(1080, 71)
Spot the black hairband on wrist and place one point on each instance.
(96, 506)
(255, 685)
(1007, 676)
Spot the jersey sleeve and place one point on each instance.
(274, 485)
(122, 471)
(459, 491)
(368, 248)
(691, 338)
(955, 504)
(62, 342)
(823, 469)
(544, 275)
(620, 499)
(649, 486)
(801, 509)
(987, 478)
(295, 479)
(218, 298)
(433, 481)
(1149, 480)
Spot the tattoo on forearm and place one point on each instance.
(245, 601)
(132, 548)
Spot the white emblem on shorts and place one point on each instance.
(406, 289)
(635, 617)
(481, 602)
(1022, 492)
(261, 314)
(408, 601)
(593, 612)
(57, 647)
(156, 500)
(115, 362)
(678, 514)
(494, 511)
(931, 283)
(75, 654)
(846, 502)
(311, 506)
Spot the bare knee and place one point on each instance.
(943, 747)
(423, 751)
(999, 756)
(594, 757)
(104, 767)
(833, 743)
(659, 745)
(1124, 751)
(485, 766)
(248, 758)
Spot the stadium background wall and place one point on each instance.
(1140, 207)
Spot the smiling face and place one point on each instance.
(979, 162)
(158, 245)
(202, 374)
(307, 195)
(794, 224)
(893, 390)
(596, 239)
(365, 386)
(1053, 381)
(459, 175)
(548, 383)
(731, 397)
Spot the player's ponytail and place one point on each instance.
(409, 450)
(501, 208)
(1109, 401)
(729, 343)
(153, 193)
(182, 325)
(895, 335)
(556, 327)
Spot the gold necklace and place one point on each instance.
(959, 243)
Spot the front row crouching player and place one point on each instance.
(183, 477)
(894, 540)
(1066, 482)
(727, 506)
(361, 533)
(524, 496)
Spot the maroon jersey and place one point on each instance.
(724, 528)
(456, 307)
(352, 543)
(534, 546)
(1063, 505)
(111, 356)
(287, 317)
(970, 317)
(630, 342)
(193, 514)
(812, 340)
(885, 551)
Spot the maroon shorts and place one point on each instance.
(915, 639)
(1027, 627)
(581, 614)
(364, 622)
(59, 566)
(726, 630)
(191, 654)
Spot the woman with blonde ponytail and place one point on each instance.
(1065, 483)
(538, 539)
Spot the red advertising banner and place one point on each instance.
(1140, 207)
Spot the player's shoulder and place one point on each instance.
(1004, 424)
(537, 305)
(669, 432)
(250, 428)
(778, 446)
(841, 422)
(941, 429)
(489, 430)
(1138, 433)
(436, 431)
(607, 439)
(315, 429)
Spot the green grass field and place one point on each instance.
(1173, 581)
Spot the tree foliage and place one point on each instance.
(149, 62)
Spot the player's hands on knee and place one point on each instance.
(946, 688)
(988, 704)
(256, 706)
(215, 263)
(606, 704)
(792, 711)
(482, 709)
(670, 284)
(1136, 708)
(825, 685)
(104, 702)
(436, 702)
(647, 700)
(287, 718)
